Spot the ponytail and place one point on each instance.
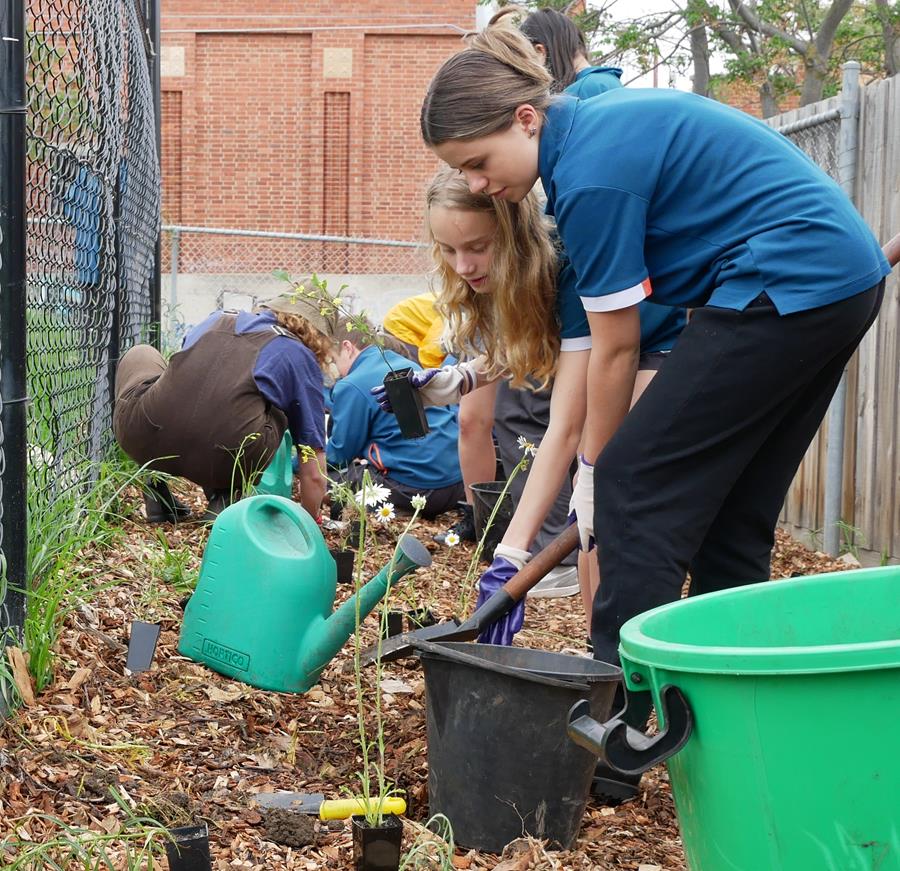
(562, 40)
(477, 91)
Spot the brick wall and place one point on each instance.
(301, 117)
(745, 96)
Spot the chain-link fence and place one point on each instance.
(205, 268)
(819, 137)
(91, 212)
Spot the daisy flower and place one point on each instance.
(372, 495)
(451, 539)
(418, 502)
(526, 447)
(385, 513)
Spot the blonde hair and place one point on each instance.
(476, 92)
(514, 325)
(314, 339)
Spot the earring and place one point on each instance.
(532, 132)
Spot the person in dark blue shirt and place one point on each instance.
(727, 217)
(562, 47)
(361, 431)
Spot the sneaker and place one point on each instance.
(556, 584)
(464, 527)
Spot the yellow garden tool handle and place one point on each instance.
(342, 808)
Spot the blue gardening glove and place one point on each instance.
(443, 386)
(581, 505)
(507, 562)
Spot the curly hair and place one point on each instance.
(515, 324)
(314, 339)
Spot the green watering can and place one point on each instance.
(261, 612)
(278, 477)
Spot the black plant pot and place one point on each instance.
(189, 849)
(407, 404)
(344, 559)
(394, 624)
(411, 620)
(419, 618)
(377, 848)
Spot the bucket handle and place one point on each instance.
(627, 749)
(444, 652)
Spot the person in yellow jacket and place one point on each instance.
(418, 324)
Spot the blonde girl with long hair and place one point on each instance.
(507, 296)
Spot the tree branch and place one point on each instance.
(833, 18)
(754, 22)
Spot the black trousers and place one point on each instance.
(695, 477)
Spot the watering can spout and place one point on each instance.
(330, 635)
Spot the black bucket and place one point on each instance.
(484, 498)
(500, 763)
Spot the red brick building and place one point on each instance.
(301, 116)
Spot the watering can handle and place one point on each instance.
(629, 750)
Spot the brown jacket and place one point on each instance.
(202, 416)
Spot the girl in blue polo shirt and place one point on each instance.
(508, 298)
(730, 219)
(562, 48)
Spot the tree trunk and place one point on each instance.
(700, 56)
(815, 72)
(891, 38)
(767, 99)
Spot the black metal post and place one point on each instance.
(151, 18)
(14, 544)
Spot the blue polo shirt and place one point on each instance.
(360, 429)
(286, 373)
(594, 80)
(660, 324)
(716, 206)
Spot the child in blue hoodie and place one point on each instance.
(361, 431)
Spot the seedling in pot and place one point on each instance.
(344, 559)
(188, 850)
(377, 847)
(407, 405)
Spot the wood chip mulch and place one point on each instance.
(181, 743)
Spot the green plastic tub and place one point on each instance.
(794, 760)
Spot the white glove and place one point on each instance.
(443, 386)
(515, 555)
(581, 505)
(447, 385)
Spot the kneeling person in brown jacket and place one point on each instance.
(217, 412)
